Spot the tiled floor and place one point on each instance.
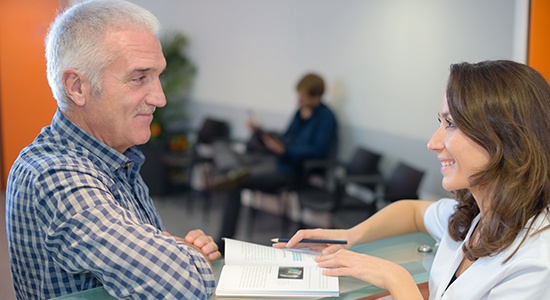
(181, 213)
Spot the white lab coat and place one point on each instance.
(525, 276)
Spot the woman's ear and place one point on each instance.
(74, 86)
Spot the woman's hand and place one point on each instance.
(339, 261)
(322, 234)
(361, 266)
(376, 271)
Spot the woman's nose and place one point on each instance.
(435, 143)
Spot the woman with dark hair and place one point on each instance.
(494, 237)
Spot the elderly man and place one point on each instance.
(78, 213)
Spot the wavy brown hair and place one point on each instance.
(503, 106)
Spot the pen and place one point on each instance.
(312, 241)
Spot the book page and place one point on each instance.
(269, 280)
(244, 253)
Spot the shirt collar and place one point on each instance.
(70, 131)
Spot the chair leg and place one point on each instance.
(207, 199)
(284, 213)
(252, 213)
(207, 206)
(287, 213)
(191, 200)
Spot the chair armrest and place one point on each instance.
(238, 145)
(376, 179)
(363, 179)
(318, 163)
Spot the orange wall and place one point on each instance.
(26, 102)
(539, 37)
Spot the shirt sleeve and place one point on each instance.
(436, 217)
(527, 279)
(87, 230)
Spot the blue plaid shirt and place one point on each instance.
(79, 216)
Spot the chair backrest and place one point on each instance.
(363, 162)
(403, 183)
(213, 130)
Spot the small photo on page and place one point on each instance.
(291, 273)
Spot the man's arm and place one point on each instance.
(87, 230)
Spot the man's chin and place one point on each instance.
(146, 138)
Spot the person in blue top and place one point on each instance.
(311, 134)
(78, 213)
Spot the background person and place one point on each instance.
(78, 212)
(494, 235)
(311, 134)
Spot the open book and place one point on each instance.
(254, 270)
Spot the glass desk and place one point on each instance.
(402, 250)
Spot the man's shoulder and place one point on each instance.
(44, 155)
(325, 109)
(326, 114)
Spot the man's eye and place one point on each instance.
(140, 78)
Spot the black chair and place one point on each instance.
(308, 169)
(201, 158)
(402, 184)
(326, 191)
(213, 130)
(282, 194)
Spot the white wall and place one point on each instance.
(385, 61)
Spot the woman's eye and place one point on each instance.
(450, 123)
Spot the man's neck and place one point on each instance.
(307, 111)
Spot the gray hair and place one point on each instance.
(75, 40)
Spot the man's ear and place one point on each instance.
(74, 86)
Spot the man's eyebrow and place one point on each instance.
(138, 72)
(141, 70)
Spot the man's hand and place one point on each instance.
(252, 125)
(203, 243)
(273, 143)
